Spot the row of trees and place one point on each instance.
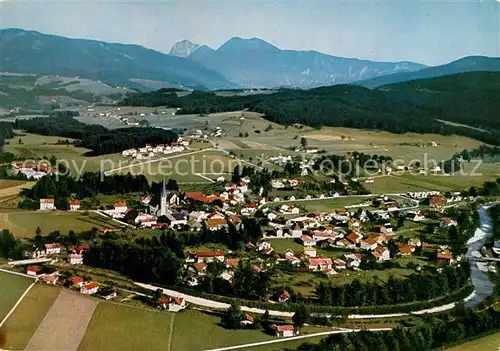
(416, 287)
(434, 334)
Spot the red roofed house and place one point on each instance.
(53, 249)
(406, 250)
(307, 241)
(201, 268)
(340, 264)
(76, 281)
(247, 320)
(370, 243)
(320, 264)
(216, 223)
(437, 201)
(284, 330)
(120, 206)
(74, 205)
(176, 304)
(284, 296)
(33, 270)
(89, 288)
(210, 256)
(445, 256)
(354, 238)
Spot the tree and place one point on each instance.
(301, 316)
(232, 318)
(303, 143)
(38, 231)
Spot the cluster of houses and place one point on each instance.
(49, 205)
(149, 151)
(32, 170)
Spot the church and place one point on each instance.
(159, 205)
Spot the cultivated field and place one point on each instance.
(119, 327)
(12, 287)
(38, 146)
(23, 323)
(185, 168)
(24, 224)
(486, 343)
(65, 322)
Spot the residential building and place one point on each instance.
(319, 264)
(76, 281)
(369, 243)
(447, 222)
(284, 296)
(74, 205)
(52, 249)
(307, 241)
(89, 288)
(75, 258)
(34, 270)
(210, 256)
(284, 330)
(120, 206)
(381, 254)
(47, 205)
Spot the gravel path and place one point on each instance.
(64, 325)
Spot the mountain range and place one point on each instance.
(463, 65)
(32, 52)
(238, 63)
(255, 63)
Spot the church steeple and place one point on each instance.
(163, 203)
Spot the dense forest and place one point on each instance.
(95, 137)
(395, 108)
(436, 332)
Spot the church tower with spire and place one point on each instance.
(163, 201)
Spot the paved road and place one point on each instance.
(341, 330)
(482, 284)
(221, 305)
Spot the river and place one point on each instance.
(482, 285)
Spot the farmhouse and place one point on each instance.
(210, 256)
(284, 330)
(120, 206)
(47, 205)
(307, 241)
(74, 205)
(33, 270)
(76, 281)
(89, 288)
(319, 264)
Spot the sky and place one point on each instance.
(429, 32)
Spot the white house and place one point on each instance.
(89, 288)
(53, 249)
(75, 259)
(74, 205)
(47, 205)
(120, 206)
(307, 241)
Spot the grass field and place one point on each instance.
(37, 146)
(24, 224)
(487, 343)
(118, 327)
(194, 331)
(23, 323)
(13, 286)
(184, 168)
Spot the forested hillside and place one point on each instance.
(467, 98)
(406, 107)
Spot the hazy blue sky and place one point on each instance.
(431, 32)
